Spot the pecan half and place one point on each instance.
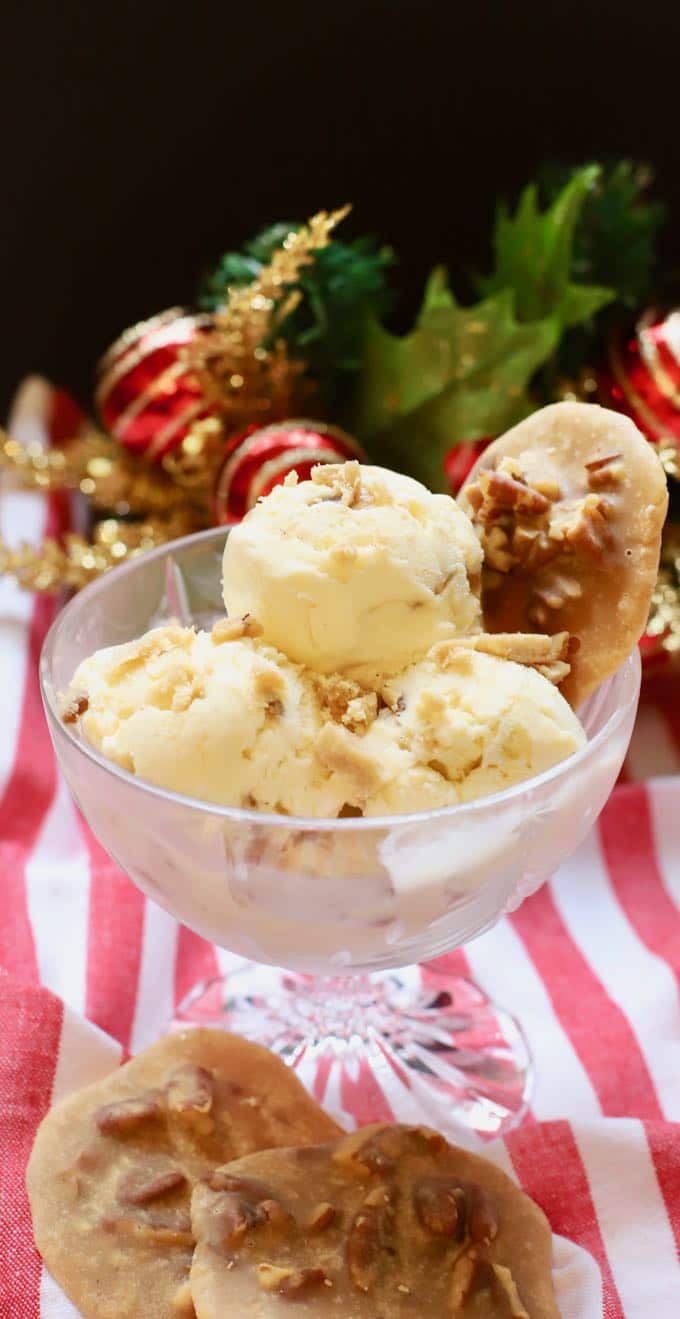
(142, 1185)
(128, 1114)
(482, 1216)
(436, 1205)
(366, 1239)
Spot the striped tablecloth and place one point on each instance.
(90, 968)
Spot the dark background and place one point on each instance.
(140, 139)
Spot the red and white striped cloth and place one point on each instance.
(590, 965)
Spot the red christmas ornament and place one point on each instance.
(148, 396)
(259, 458)
(460, 461)
(642, 376)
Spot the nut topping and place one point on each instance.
(171, 1227)
(509, 1287)
(142, 1185)
(321, 1217)
(436, 1206)
(234, 629)
(73, 709)
(365, 1242)
(462, 1280)
(605, 471)
(549, 655)
(128, 1114)
(482, 1219)
(189, 1090)
(289, 1283)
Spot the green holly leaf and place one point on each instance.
(462, 373)
(534, 255)
(616, 236)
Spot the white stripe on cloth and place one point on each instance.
(57, 892)
(664, 796)
(652, 749)
(632, 1216)
(502, 967)
(155, 1003)
(638, 981)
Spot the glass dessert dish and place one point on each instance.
(347, 907)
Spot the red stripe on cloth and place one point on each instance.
(114, 944)
(628, 845)
(663, 1139)
(30, 1030)
(26, 800)
(362, 1096)
(195, 960)
(548, 1164)
(599, 1031)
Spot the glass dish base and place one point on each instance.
(412, 1045)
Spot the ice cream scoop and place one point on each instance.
(457, 725)
(212, 715)
(358, 569)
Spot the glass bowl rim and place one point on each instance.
(306, 823)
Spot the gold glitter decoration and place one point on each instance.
(241, 364)
(55, 469)
(664, 618)
(70, 564)
(138, 504)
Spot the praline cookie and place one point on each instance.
(110, 1175)
(388, 1223)
(569, 506)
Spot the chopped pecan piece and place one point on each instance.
(142, 1185)
(365, 1242)
(342, 481)
(128, 1114)
(320, 1218)
(536, 650)
(504, 491)
(345, 701)
(232, 1216)
(233, 629)
(291, 1284)
(436, 1205)
(509, 1288)
(189, 1090)
(605, 471)
(159, 1227)
(462, 1281)
(496, 545)
(274, 1213)
(582, 524)
(73, 708)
